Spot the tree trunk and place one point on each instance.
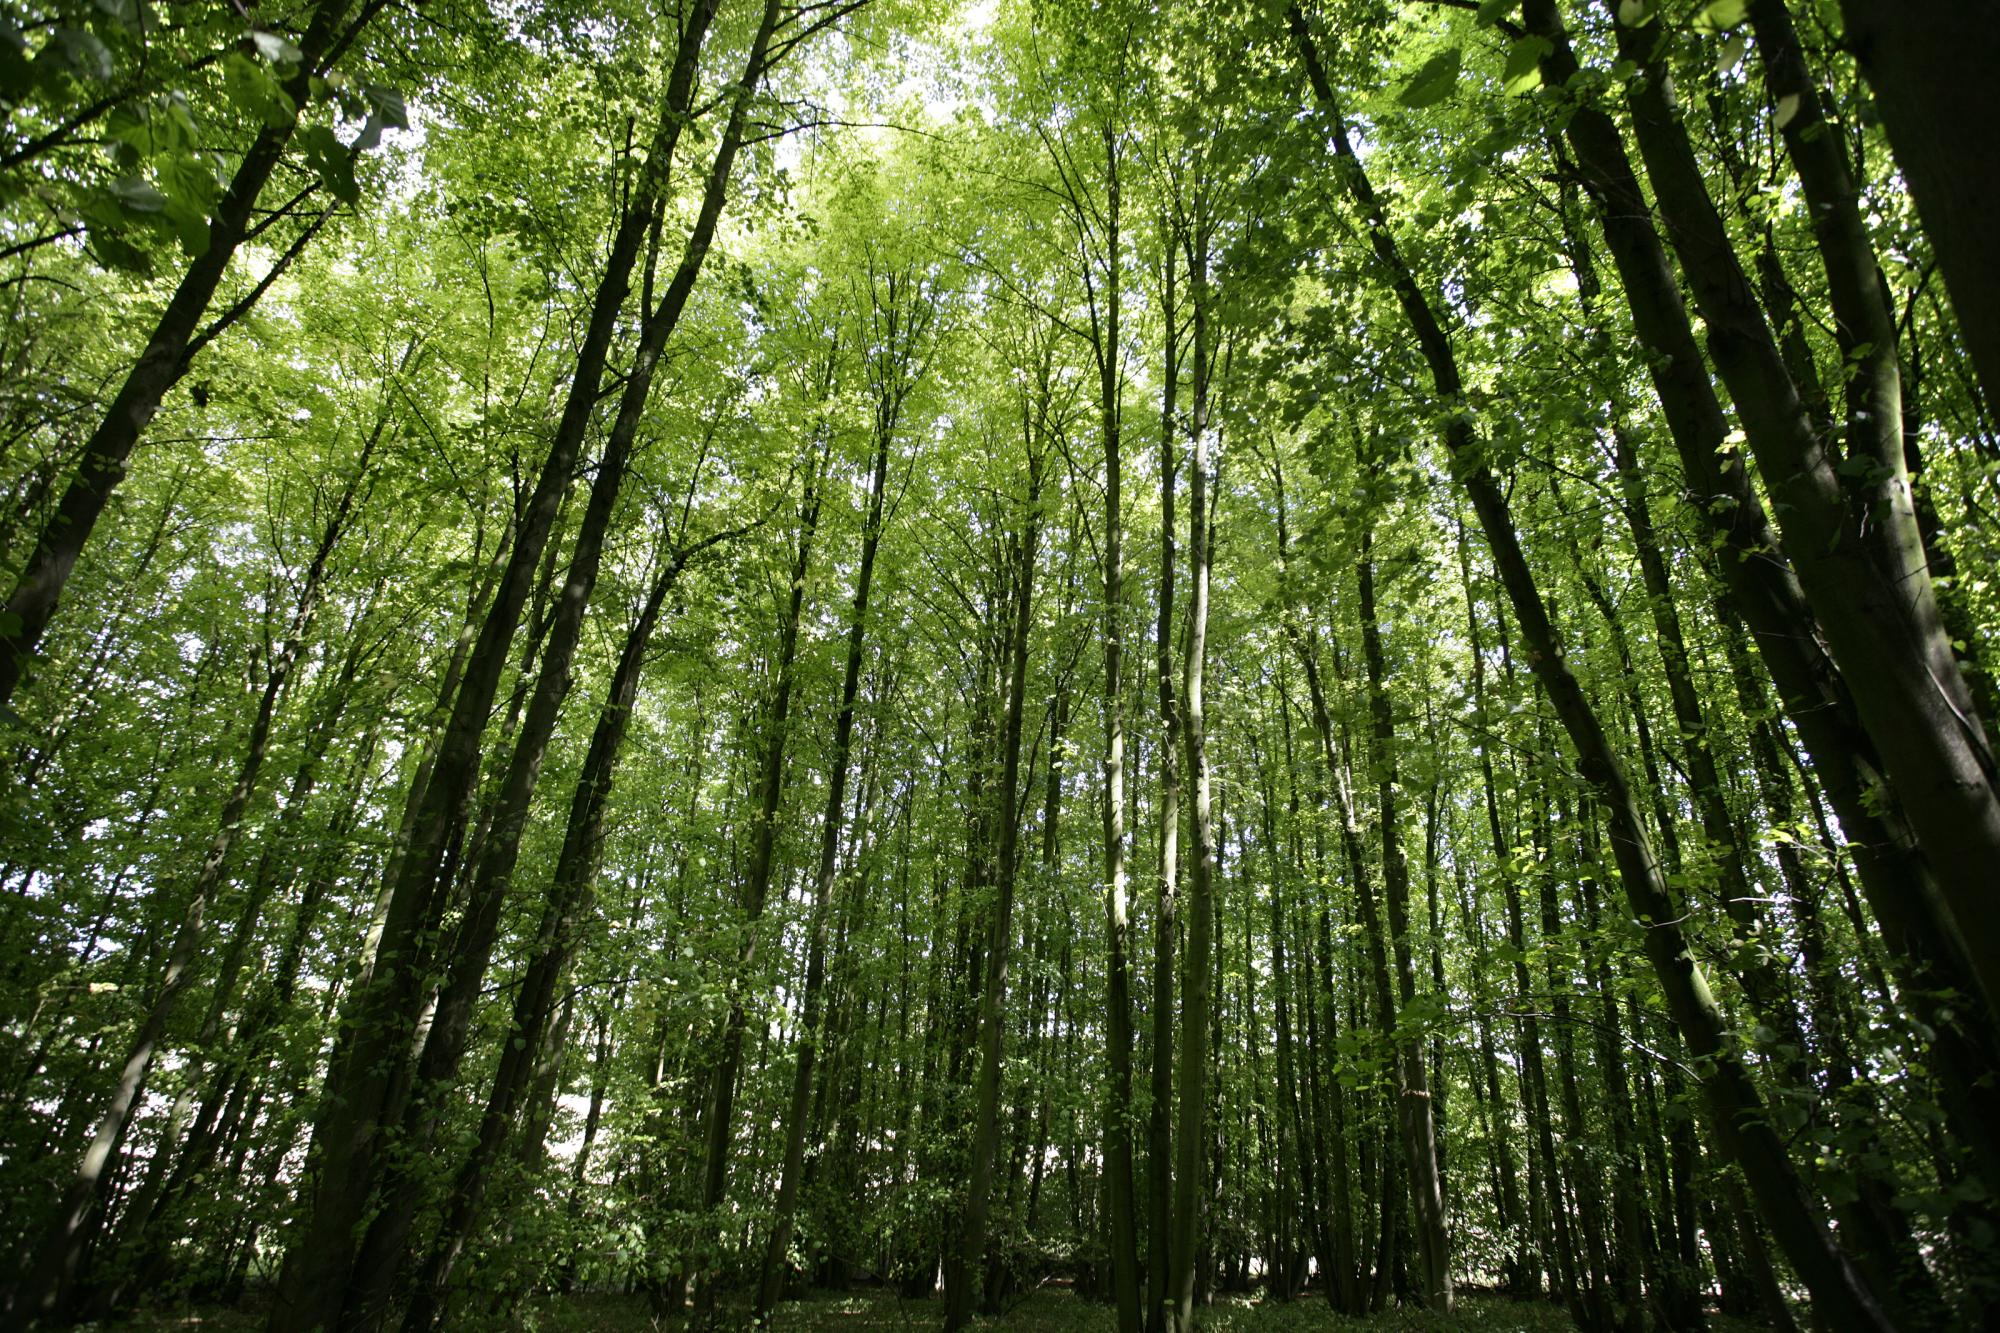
(41, 1292)
(965, 1261)
(1159, 1130)
(1855, 545)
(1930, 68)
(1197, 969)
(1414, 1109)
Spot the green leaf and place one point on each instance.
(87, 57)
(331, 161)
(255, 91)
(1634, 13)
(388, 104)
(276, 49)
(1721, 15)
(138, 194)
(1524, 69)
(1492, 11)
(1435, 81)
(1731, 54)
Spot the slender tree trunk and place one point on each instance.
(41, 1292)
(771, 785)
(1415, 1112)
(1197, 970)
(1159, 1130)
(965, 1261)
(1122, 1202)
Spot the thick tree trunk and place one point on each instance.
(383, 1247)
(570, 899)
(1855, 545)
(1930, 65)
(380, 1012)
(1900, 885)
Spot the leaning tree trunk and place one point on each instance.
(1899, 883)
(40, 1293)
(571, 894)
(382, 1251)
(169, 348)
(1854, 543)
(380, 1012)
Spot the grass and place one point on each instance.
(1051, 1310)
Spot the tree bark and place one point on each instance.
(770, 1285)
(1930, 65)
(1197, 969)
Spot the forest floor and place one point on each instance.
(1047, 1311)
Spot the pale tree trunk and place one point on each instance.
(1197, 969)
(1121, 1210)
